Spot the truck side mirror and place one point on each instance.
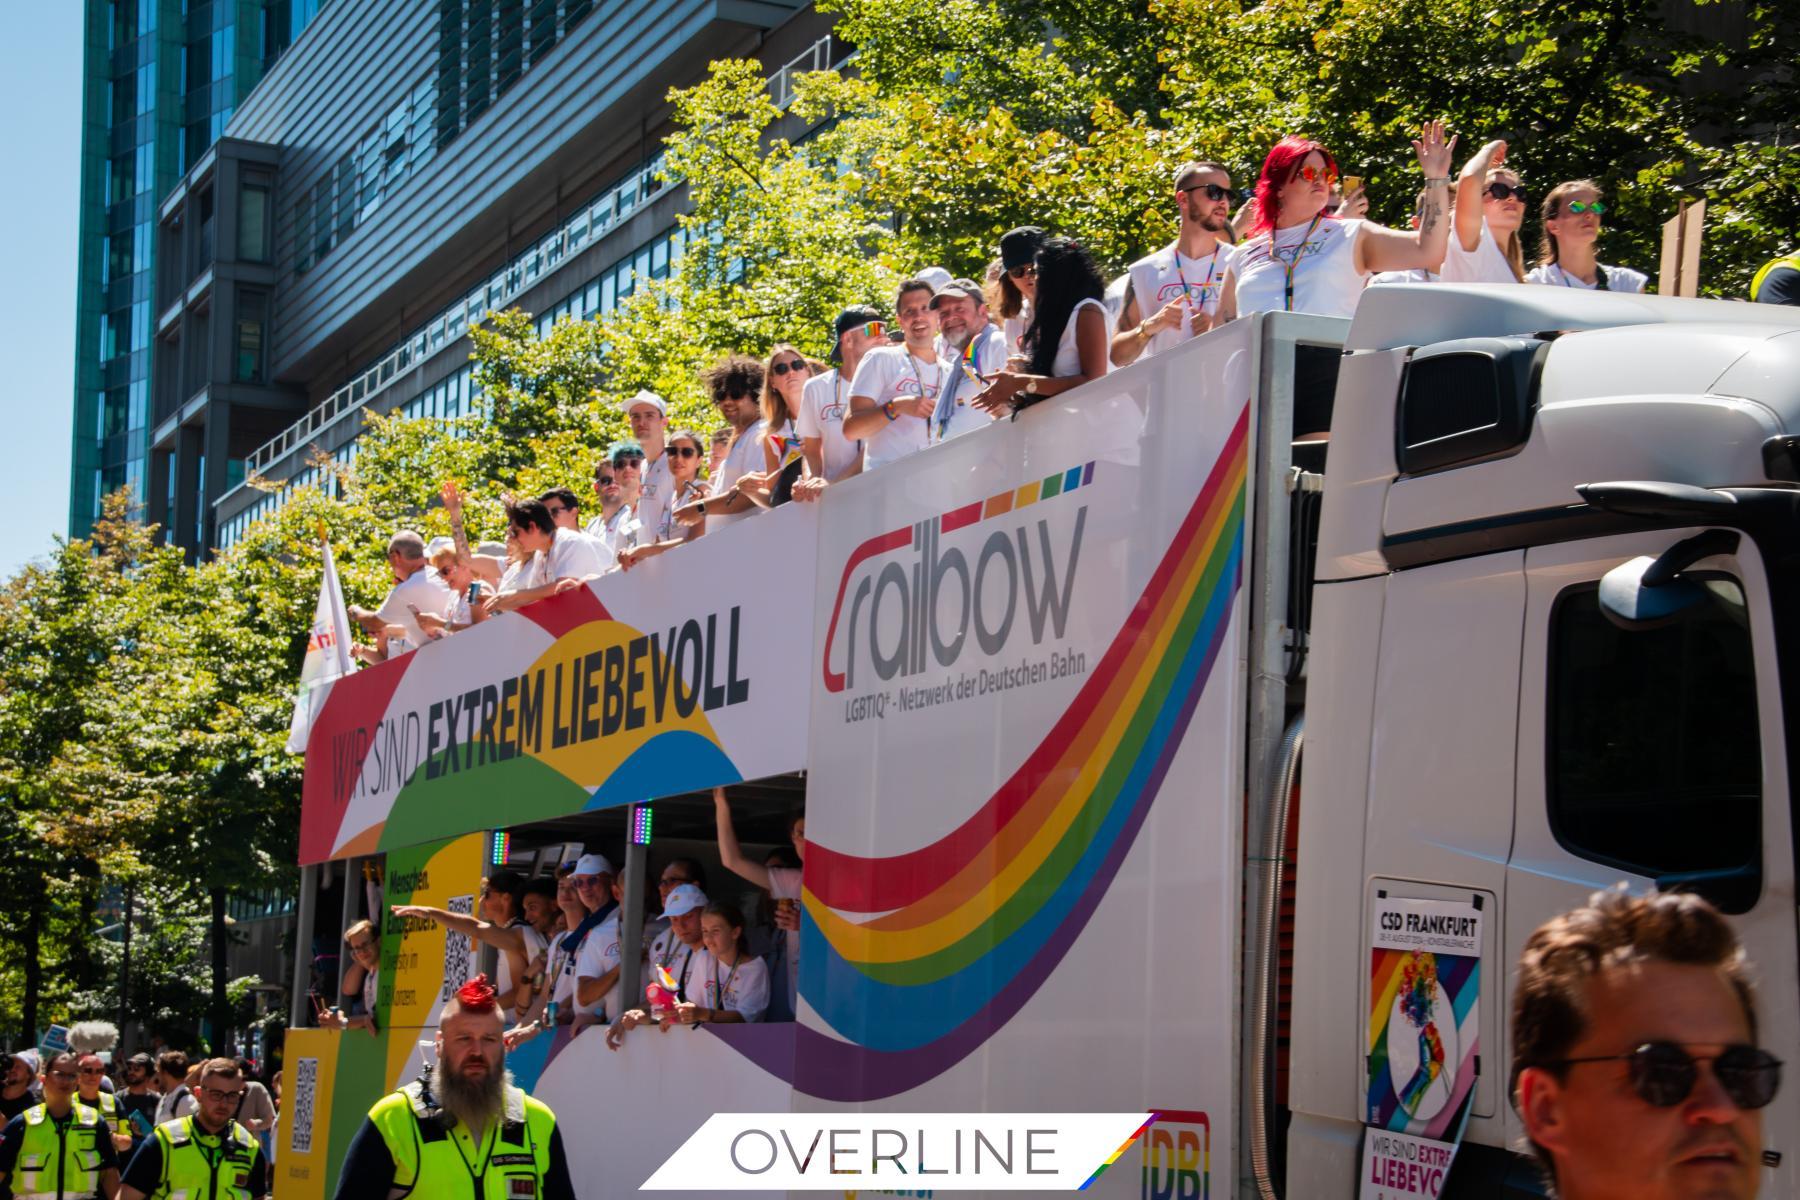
(1646, 592)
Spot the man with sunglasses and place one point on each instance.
(1634, 1059)
(1182, 281)
(205, 1154)
(619, 482)
(736, 383)
(91, 1072)
(825, 401)
(60, 1148)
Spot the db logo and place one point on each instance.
(1178, 1156)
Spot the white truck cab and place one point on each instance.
(1554, 644)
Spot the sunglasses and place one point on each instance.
(870, 329)
(557, 511)
(1501, 191)
(93, 1070)
(604, 480)
(1577, 207)
(684, 452)
(797, 365)
(1664, 1074)
(621, 461)
(1213, 191)
(1317, 175)
(1028, 270)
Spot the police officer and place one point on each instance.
(92, 1071)
(60, 1149)
(204, 1154)
(462, 1129)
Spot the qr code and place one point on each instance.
(300, 1114)
(457, 950)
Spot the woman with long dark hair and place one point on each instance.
(1299, 258)
(1484, 235)
(1068, 340)
(1566, 252)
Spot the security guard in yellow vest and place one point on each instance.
(60, 1149)
(92, 1071)
(1778, 282)
(205, 1155)
(462, 1130)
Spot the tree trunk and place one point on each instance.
(29, 938)
(127, 1043)
(221, 1008)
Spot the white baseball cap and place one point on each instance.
(651, 398)
(684, 899)
(594, 864)
(937, 277)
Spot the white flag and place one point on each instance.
(327, 655)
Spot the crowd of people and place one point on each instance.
(949, 355)
(83, 1122)
(733, 956)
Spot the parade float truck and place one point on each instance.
(1204, 742)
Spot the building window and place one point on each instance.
(252, 329)
(253, 223)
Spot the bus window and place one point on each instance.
(1653, 755)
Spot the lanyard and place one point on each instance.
(913, 362)
(1288, 288)
(1212, 265)
(728, 977)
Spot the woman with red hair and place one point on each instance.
(1299, 258)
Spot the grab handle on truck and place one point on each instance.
(1268, 922)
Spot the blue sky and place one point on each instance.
(40, 93)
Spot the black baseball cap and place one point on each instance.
(850, 318)
(1019, 247)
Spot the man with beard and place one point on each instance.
(60, 1149)
(461, 1129)
(1174, 291)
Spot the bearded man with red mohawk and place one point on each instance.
(461, 1128)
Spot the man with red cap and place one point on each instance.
(461, 1129)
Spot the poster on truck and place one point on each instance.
(1425, 976)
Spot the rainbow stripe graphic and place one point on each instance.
(915, 960)
(1117, 1154)
(1458, 976)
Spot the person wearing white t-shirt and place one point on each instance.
(649, 416)
(785, 375)
(825, 401)
(678, 951)
(1070, 335)
(619, 485)
(557, 984)
(502, 926)
(564, 507)
(416, 587)
(564, 558)
(895, 389)
(1484, 234)
(1300, 259)
(736, 383)
(782, 883)
(733, 985)
(597, 966)
(1566, 253)
(1183, 280)
(976, 352)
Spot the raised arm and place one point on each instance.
(730, 853)
(1382, 249)
(500, 937)
(1469, 193)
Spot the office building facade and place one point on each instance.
(161, 79)
(399, 170)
